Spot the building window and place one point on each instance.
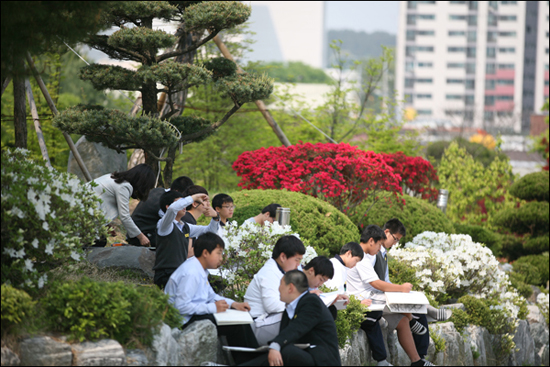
(411, 35)
(491, 36)
(504, 98)
(493, 4)
(424, 112)
(469, 100)
(508, 3)
(458, 2)
(488, 115)
(507, 50)
(455, 81)
(472, 19)
(491, 52)
(506, 66)
(411, 19)
(454, 97)
(490, 68)
(471, 52)
(425, 33)
(508, 34)
(455, 65)
(424, 80)
(409, 82)
(456, 49)
(492, 19)
(472, 5)
(507, 18)
(425, 48)
(456, 33)
(505, 82)
(470, 84)
(489, 100)
(424, 96)
(457, 17)
(408, 98)
(470, 68)
(411, 4)
(490, 84)
(425, 16)
(425, 64)
(409, 66)
(410, 50)
(471, 36)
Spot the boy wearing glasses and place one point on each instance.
(223, 204)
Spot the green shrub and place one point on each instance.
(533, 186)
(511, 247)
(460, 319)
(319, 223)
(349, 321)
(537, 245)
(47, 216)
(478, 151)
(534, 268)
(417, 215)
(482, 312)
(518, 282)
(481, 235)
(91, 310)
(17, 306)
(439, 341)
(532, 217)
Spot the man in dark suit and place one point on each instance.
(306, 320)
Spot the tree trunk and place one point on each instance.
(19, 111)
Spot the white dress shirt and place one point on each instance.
(263, 292)
(340, 275)
(360, 277)
(190, 291)
(165, 227)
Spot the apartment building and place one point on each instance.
(481, 64)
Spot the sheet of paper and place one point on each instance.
(411, 298)
(233, 317)
(340, 304)
(263, 348)
(404, 308)
(328, 298)
(377, 307)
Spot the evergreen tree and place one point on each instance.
(166, 60)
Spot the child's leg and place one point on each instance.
(422, 341)
(409, 316)
(406, 339)
(374, 335)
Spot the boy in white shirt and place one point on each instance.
(263, 292)
(350, 254)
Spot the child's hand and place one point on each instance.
(210, 212)
(341, 296)
(241, 306)
(406, 287)
(221, 306)
(366, 302)
(199, 198)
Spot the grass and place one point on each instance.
(85, 269)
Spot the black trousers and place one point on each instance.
(422, 342)
(162, 276)
(371, 326)
(292, 356)
(237, 335)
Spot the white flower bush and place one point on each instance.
(247, 248)
(542, 302)
(47, 216)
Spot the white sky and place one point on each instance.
(365, 16)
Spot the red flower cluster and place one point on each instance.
(417, 174)
(340, 174)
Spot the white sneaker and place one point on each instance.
(439, 314)
(417, 328)
(384, 363)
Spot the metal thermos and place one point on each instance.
(442, 199)
(283, 216)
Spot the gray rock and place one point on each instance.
(458, 351)
(539, 332)
(506, 267)
(164, 349)
(536, 292)
(45, 351)
(136, 357)
(525, 346)
(534, 315)
(357, 353)
(106, 352)
(98, 159)
(481, 339)
(9, 358)
(198, 343)
(127, 257)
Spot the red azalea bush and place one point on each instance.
(417, 175)
(340, 174)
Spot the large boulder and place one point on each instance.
(458, 350)
(524, 354)
(198, 343)
(106, 352)
(98, 159)
(136, 357)
(534, 315)
(539, 333)
(482, 341)
(126, 257)
(357, 352)
(45, 351)
(9, 358)
(164, 350)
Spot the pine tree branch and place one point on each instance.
(191, 137)
(170, 54)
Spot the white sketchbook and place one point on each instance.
(328, 299)
(233, 317)
(412, 302)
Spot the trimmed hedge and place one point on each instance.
(482, 235)
(537, 245)
(533, 186)
(417, 215)
(321, 224)
(532, 217)
(534, 268)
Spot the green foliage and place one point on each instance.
(537, 245)
(215, 15)
(103, 125)
(17, 306)
(480, 313)
(533, 186)
(47, 217)
(476, 192)
(511, 247)
(322, 225)
(242, 88)
(518, 281)
(295, 72)
(417, 215)
(478, 151)
(91, 310)
(482, 235)
(221, 67)
(532, 217)
(439, 341)
(110, 76)
(541, 142)
(175, 76)
(136, 11)
(141, 39)
(349, 321)
(534, 268)
(460, 319)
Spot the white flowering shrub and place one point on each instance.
(542, 302)
(247, 248)
(47, 216)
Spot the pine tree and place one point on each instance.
(166, 60)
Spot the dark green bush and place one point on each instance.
(537, 245)
(480, 234)
(17, 307)
(532, 217)
(534, 268)
(518, 282)
(321, 224)
(480, 153)
(511, 247)
(87, 309)
(533, 186)
(461, 319)
(417, 216)
(480, 313)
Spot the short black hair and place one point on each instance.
(374, 232)
(395, 226)
(141, 177)
(272, 209)
(208, 241)
(355, 248)
(181, 184)
(168, 198)
(321, 266)
(288, 245)
(192, 190)
(297, 278)
(221, 199)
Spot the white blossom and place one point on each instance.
(28, 265)
(35, 243)
(75, 256)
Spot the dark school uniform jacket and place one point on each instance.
(146, 214)
(312, 323)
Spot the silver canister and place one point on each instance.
(442, 199)
(283, 216)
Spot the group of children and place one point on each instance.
(282, 298)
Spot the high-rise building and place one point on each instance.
(480, 64)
